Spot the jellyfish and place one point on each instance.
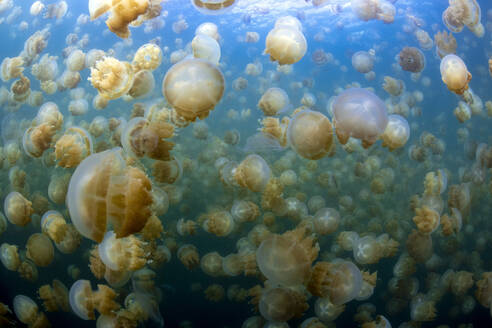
(362, 61)
(104, 190)
(252, 173)
(310, 134)
(55, 297)
(213, 7)
(397, 132)
(18, 209)
(73, 147)
(148, 57)
(462, 13)
(281, 304)
(206, 47)
(445, 44)
(209, 29)
(11, 68)
(286, 259)
(286, 44)
(188, 255)
(193, 87)
(326, 220)
(143, 84)
(244, 211)
(76, 60)
(27, 311)
(360, 114)
(9, 256)
(112, 78)
(273, 102)
(411, 59)
(84, 301)
(40, 250)
(122, 254)
(219, 223)
(455, 74)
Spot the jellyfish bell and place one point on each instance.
(17, 209)
(455, 74)
(103, 191)
(411, 59)
(285, 45)
(360, 114)
(273, 102)
(362, 61)
(193, 87)
(252, 173)
(397, 132)
(143, 84)
(206, 47)
(209, 29)
(213, 7)
(310, 134)
(73, 146)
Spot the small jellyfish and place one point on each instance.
(411, 59)
(27, 311)
(18, 209)
(362, 61)
(122, 254)
(147, 57)
(310, 134)
(73, 146)
(143, 84)
(252, 173)
(281, 304)
(286, 44)
(455, 74)
(84, 301)
(76, 61)
(193, 87)
(397, 132)
(206, 47)
(360, 114)
(112, 78)
(273, 102)
(9, 256)
(40, 250)
(213, 7)
(326, 221)
(209, 29)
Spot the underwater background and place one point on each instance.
(373, 189)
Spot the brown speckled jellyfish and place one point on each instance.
(360, 114)
(411, 59)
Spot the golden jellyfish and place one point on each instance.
(73, 146)
(18, 209)
(76, 61)
(57, 188)
(93, 56)
(422, 308)
(363, 62)
(273, 102)
(397, 132)
(143, 84)
(244, 211)
(55, 297)
(122, 254)
(326, 311)
(9, 256)
(27, 311)
(219, 223)
(286, 259)
(339, 280)
(20, 90)
(78, 107)
(286, 44)
(188, 255)
(411, 59)
(141, 137)
(54, 225)
(213, 7)
(393, 86)
(326, 221)
(455, 74)
(360, 114)
(193, 87)
(462, 13)
(206, 47)
(40, 250)
(122, 14)
(310, 134)
(11, 68)
(281, 304)
(148, 57)
(374, 9)
(37, 139)
(252, 173)
(445, 44)
(211, 264)
(209, 29)
(84, 301)
(98, 126)
(112, 78)
(36, 8)
(104, 190)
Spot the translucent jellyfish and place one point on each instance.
(36, 8)
(252, 173)
(78, 107)
(411, 59)
(286, 44)
(209, 29)
(445, 44)
(244, 211)
(122, 254)
(397, 132)
(211, 264)
(84, 301)
(27, 311)
(462, 13)
(326, 221)
(425, 41)
(55, 298)
(360, 114)
(374, 9)
(76, 61)
(273, 102)
(11, 68)
(143, 84)
(339, 280)
(93, 56)
(188, 255)
(112, 78)
(40, 250)
(281, 304)
(326, 311)
(37, 139)
(147, 57)
(213, 7)
(193, 87)
(206, 47)
(9, 256)
(310, 134)
(73, 147)
(54, 225)
(17, 209)
(362, 61)
(286, 259)
(455, 74)
(104, 190)
(422, 308)
(143, 138)
(219, 223)
(426, 219)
